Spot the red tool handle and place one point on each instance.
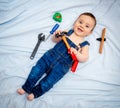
(74, 66)
(75, 63)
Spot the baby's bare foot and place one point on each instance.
(30, 97)
(20, 91)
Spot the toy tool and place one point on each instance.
(57, 17)
(75, 61)
(41, 38)
(102, 39)
(53, 30)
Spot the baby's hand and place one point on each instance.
(57, 32)
(73, 50)
(79, 49)
(55, 38)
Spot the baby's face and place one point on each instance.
(84, 25)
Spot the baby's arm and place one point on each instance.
(82, 54)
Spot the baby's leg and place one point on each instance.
(47, 83)
(30, 97)
(36, 73)
(21, 91)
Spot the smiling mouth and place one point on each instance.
(79, 29)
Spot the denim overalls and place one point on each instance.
(55, 63)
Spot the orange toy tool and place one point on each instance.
(102, 40)
(75, 63)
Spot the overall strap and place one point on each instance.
(84, 44)
(70, 32)
(81, 44)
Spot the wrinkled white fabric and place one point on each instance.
(95, 84)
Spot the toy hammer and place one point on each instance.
(75, 61)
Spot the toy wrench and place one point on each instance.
(41, 38)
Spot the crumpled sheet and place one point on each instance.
(95, 84)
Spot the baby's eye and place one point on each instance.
(87, 26)
(80, 22)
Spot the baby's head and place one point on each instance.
(92, 16)
(85, 24)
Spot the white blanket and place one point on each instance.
(95, 84)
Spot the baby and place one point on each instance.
(56, 62)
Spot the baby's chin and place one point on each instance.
(79, 33)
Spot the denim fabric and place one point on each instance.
(55, 63)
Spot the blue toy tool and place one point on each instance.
(53, 30)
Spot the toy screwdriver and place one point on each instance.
(52, 31)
